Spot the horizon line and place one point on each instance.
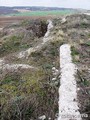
(45, 6)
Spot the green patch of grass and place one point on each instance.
(84, 25)
(12, 77)
(88, 43)
(47, 66)
(14, 85)
(75, 54)
(86, 83)
(89, 35)
(23, 84)
(74, 51)
(27, 95)
(12, 44)
(25, 23)
(43, 13)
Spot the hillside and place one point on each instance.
(12, 10)
(30, 66)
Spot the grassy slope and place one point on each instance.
(34, 92)
(30, 91)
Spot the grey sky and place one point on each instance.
(52, 3)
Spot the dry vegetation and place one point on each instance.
(27, 94)
(77, 31)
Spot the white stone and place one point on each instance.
(53, 68)
(15, 66)
(56, 71)
(78, 89)
(68, 106)
(1, 29)
(42, 117)
(53, 79)
(50, 26)
(2, 62)
(21, 54)
(63, 20)
(49, 118)
(87, 13)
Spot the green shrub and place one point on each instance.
(84, 25)
(88, 43)
(47, 66)
(25, 23)
(86, 83)
(11, 44)
(74, 51)
(11, 77)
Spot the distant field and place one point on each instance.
(16, 17)
(43, 13)
(7, 20)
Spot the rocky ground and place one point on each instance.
(77, 31)
(31, 92)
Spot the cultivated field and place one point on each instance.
(29, 15)
(43, 13)
(6, 20)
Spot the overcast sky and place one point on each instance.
(51, 3)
